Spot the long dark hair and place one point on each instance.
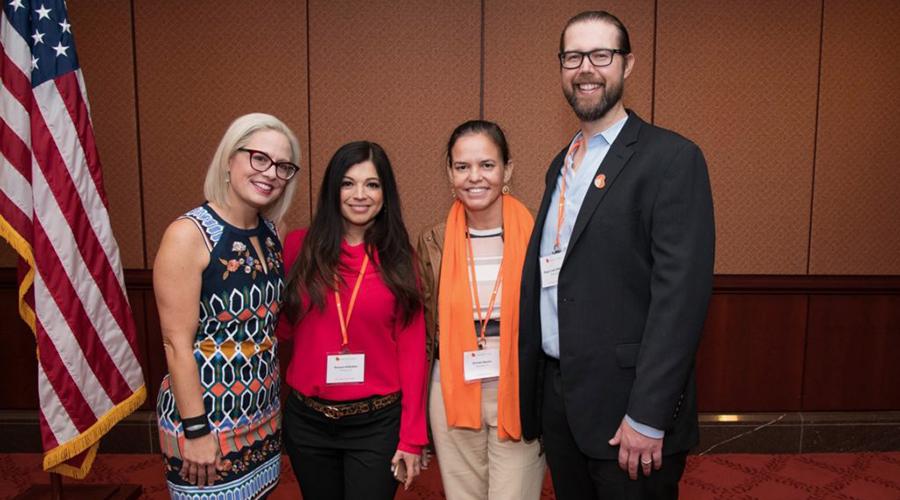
(313, 272)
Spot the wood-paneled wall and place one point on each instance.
(771, 344)
(794, 105)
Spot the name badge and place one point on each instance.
(481, 364)
(345, 368)
(550, 266)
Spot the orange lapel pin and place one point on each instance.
(600, 181)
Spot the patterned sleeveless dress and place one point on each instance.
(237, 360)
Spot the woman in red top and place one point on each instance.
(355, 420)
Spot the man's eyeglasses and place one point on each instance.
(261, 162)
(600, 57)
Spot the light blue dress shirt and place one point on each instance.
(577, 184)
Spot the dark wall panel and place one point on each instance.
(137, 299)
(155, 368)
(853, 353)
(751, 354)
(18, 356)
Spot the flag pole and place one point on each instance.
(56, 488)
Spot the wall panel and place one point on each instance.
(853, 353)
(137, 298)
(739, 79)
(751, 354)
(156, 367)
(200, 65)
(103, 38)
(522, 81)
(8, 256)
(856, 205)
(402, 74)
(18, 356)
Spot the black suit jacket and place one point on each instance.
(632, 294)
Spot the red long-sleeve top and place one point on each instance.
(395, 353)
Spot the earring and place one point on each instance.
(506, 189)
(228, 177)
(452, 193)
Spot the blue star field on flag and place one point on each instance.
(45, 26)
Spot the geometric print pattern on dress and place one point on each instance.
(211, 227)
(258, 482)
(236, 351)
(237, 355)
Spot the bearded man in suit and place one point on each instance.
(615, 287)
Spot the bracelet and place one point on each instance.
(195, 427)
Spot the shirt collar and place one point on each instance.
(609, 135)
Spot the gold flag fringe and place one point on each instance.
(54, 460)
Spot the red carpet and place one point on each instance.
(863, 476)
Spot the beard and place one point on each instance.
(612, 94)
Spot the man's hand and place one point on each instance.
(636, 448)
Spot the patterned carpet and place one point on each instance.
(863, 476)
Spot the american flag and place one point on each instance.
(53, 212)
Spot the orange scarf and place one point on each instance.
(457, 328)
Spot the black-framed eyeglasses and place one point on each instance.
(571, 59)
(261, 162)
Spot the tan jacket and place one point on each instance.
(429, 251)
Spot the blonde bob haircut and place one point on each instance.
(215, 188)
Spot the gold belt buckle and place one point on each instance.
(331, 412)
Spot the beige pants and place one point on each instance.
(474, 464)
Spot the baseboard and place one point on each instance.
(799, 432)
(808, 432)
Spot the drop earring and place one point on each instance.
(506, 189)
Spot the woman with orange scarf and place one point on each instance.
(471, 268)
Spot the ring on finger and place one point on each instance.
(646, 461)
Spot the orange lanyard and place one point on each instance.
(474, 283)
(337, 298)
(561, 208)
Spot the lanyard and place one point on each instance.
(474, 284)
(561, 208)
(337, 298)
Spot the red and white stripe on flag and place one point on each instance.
(53, 212)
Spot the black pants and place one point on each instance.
(579, 477)
(344, 459)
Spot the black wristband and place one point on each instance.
(195, 427)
